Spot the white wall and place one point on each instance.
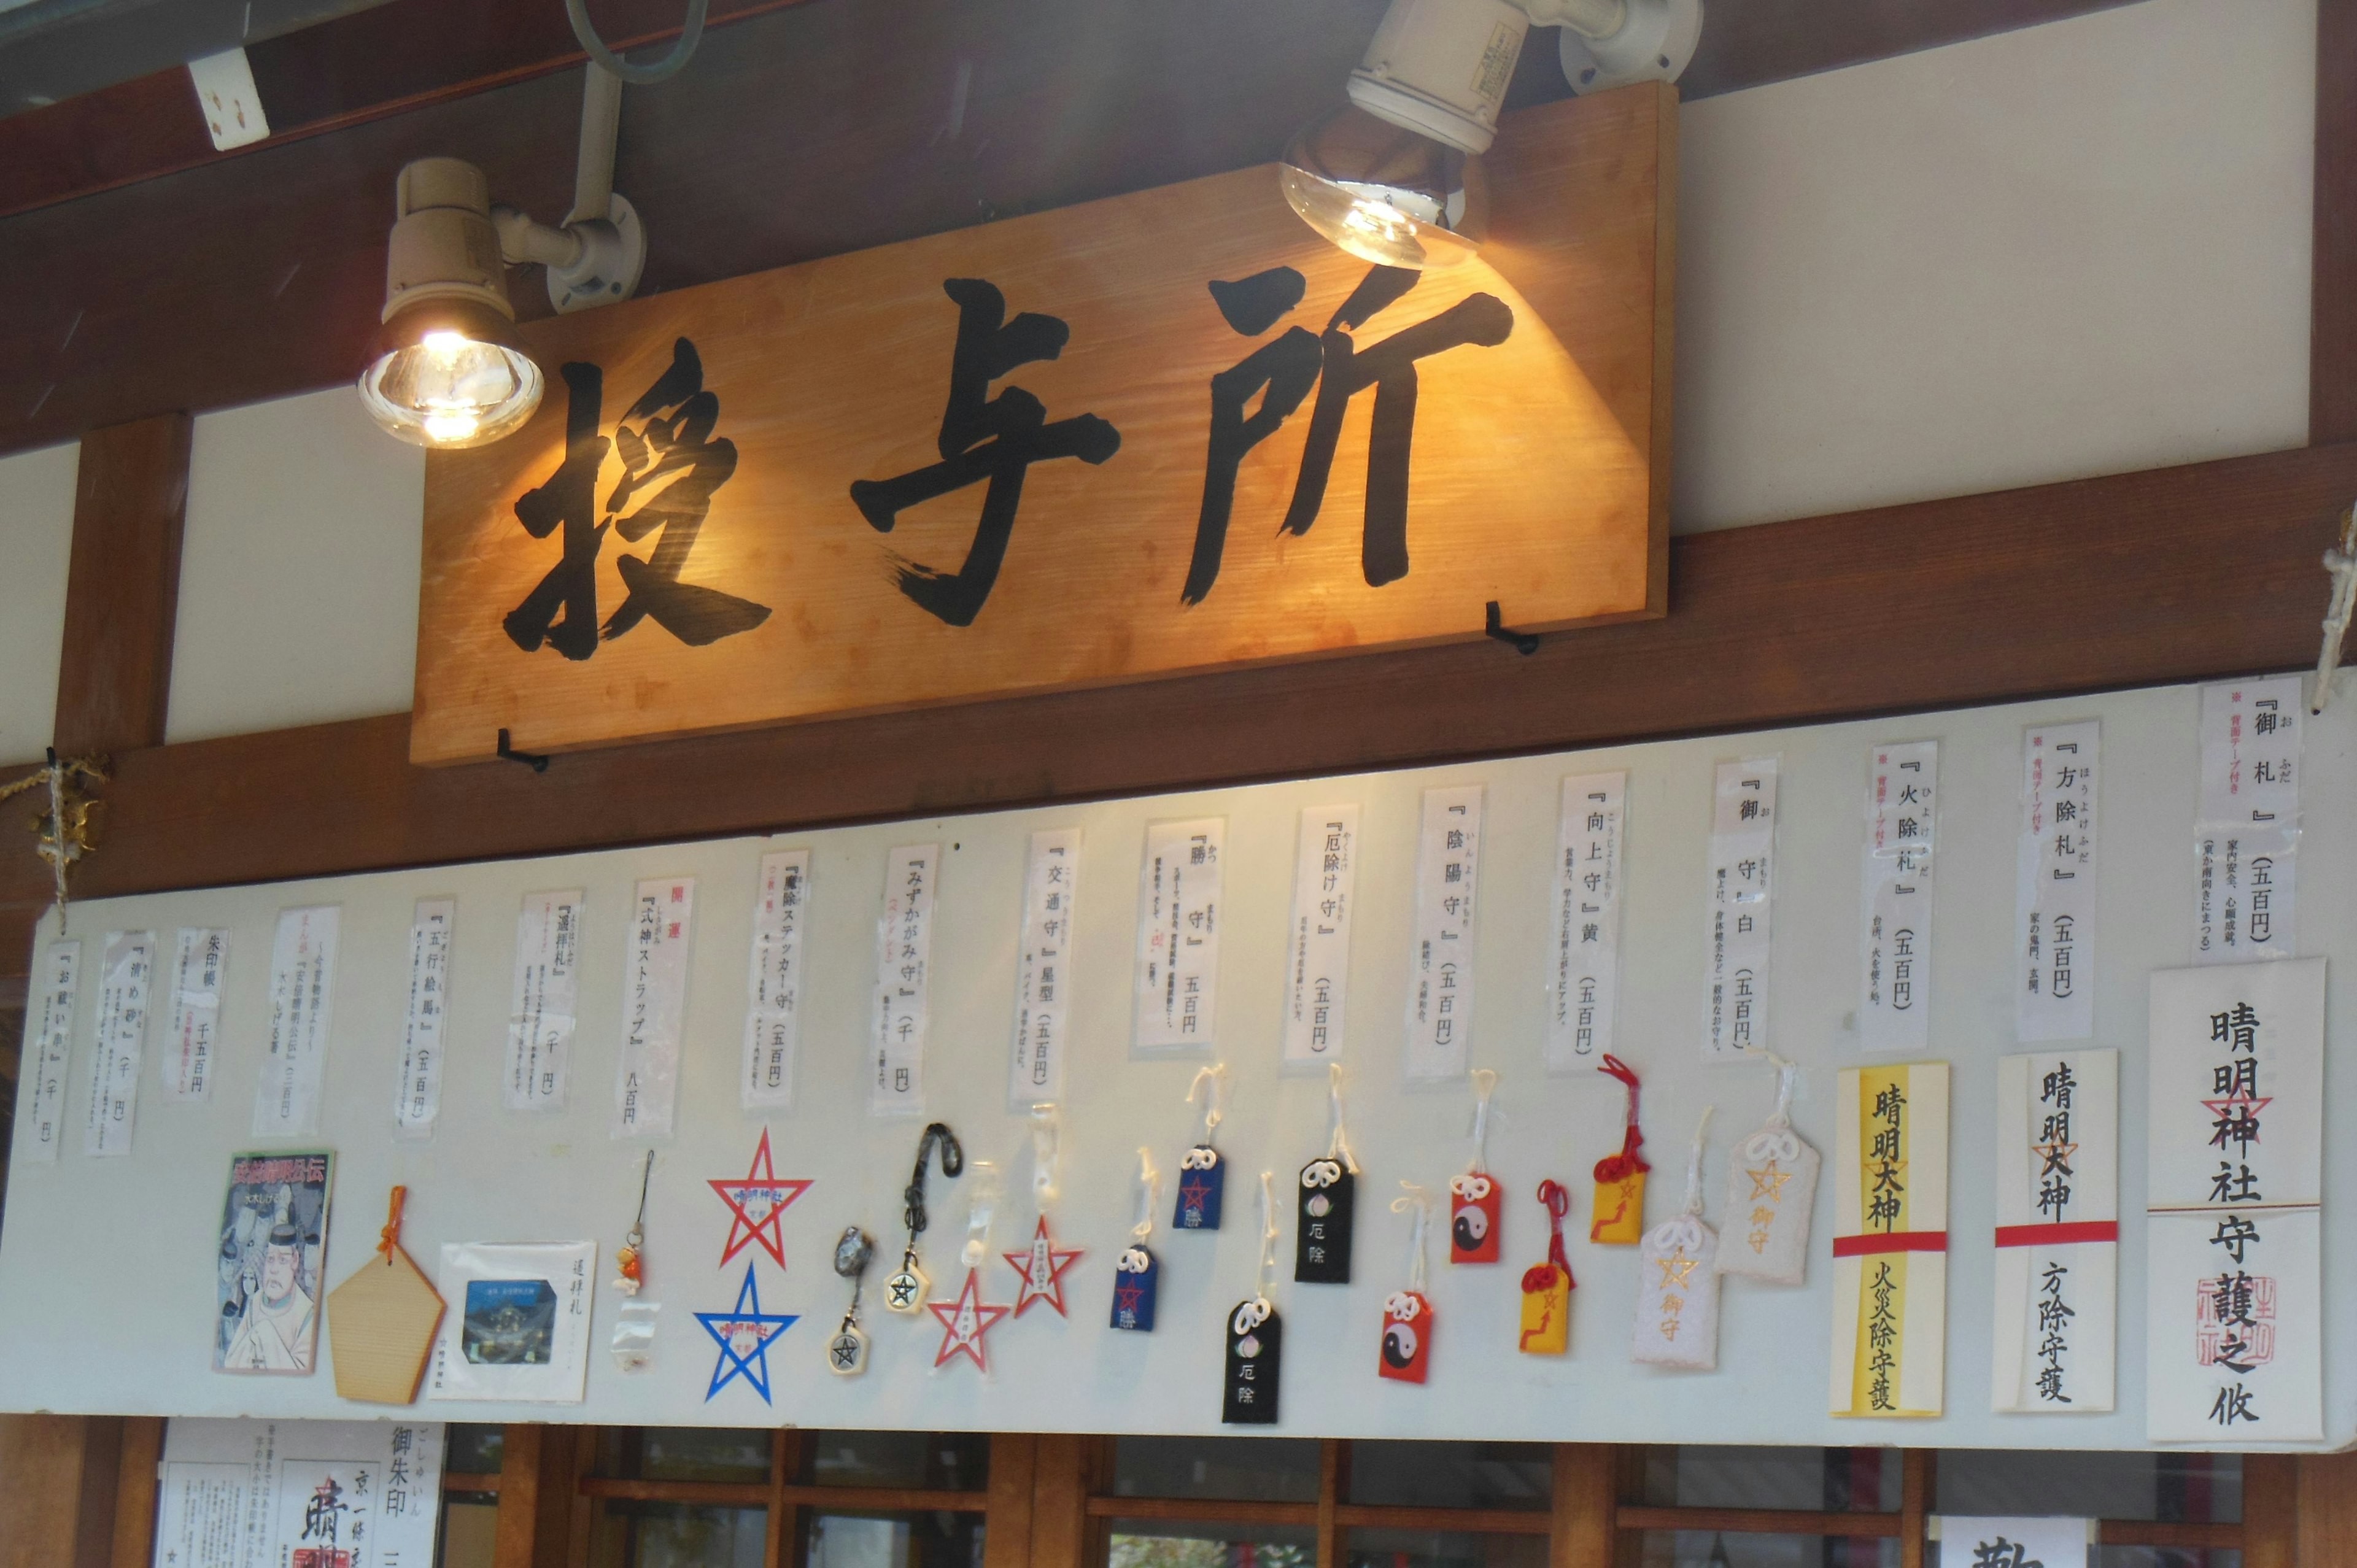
(37, 507)
(298, 576)
(2072, 249)
(81, 1335)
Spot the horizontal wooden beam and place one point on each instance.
(2184, 574)
(1207, 1510)
(802, 131)
(1763, 1522)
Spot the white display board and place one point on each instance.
(108, 1267)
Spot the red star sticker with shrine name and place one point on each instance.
(1042, 1269)
(964, 1322)
(755, 1204)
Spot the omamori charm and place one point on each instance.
(1772, 1186)
(1546, 1287)
(1474, 1197)
(1202, 1174)
(1619, 1209)
(906, 1288)
(1677, 1283)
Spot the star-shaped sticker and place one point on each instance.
(1042, 1269)
(1675, 1269)
(755, 1204)
(1768, 1182)
(743, 1336)
(965, 1321)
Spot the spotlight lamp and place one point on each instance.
(446, 369)
(1395, 175)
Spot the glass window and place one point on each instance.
(894, 1541)
(471, 1449)
(469, 1530)
(2164, 1557)
(1259, 1469)
(931, 1461)
(1731, 1549)
(1173, 1543)
(676, 1535)
(684, 1454)
(1453, 1475)
(2179, 1488)
(1839, 1481)
(1443, 1549)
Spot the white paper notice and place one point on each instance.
(543, 1007)
(1894, 1004)
(198, 972)
(1317, 943)
(417, 1095)
(126, 980)
(1440, 961)
(49, 1044)
(1584, 988)
(904, 945)
(1178, 934)
(2038, 1542)
(2246, 834)
(1741, 903)
(2058, 1232)
(2233, 1299)
(2054, 905)
(773, 990)
(655, 1006)
(518, 1324)
(1043, 979)
(302, 1011)
(312, 1494)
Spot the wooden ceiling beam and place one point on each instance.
(2090, 586)
(798, 131)
(2333, 322)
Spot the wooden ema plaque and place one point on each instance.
(381, 1324)
(1156, 434)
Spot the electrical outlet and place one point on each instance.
(225, 91)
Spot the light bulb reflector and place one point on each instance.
(449, 387)
(1385, 194)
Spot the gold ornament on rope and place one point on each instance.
(64, 829)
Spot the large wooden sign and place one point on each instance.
(1160, 433)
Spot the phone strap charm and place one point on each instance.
(1677, 1283)
(1202, 1174)
(1618, 1215)
(1407, 1313)
(1137, 1272)
(1042, 1266)
(1772, 1186)
(630, 1258)
(1473, 1198)
(966, 1320)
(907, 1287)
(1321, 1252)
(1546, 1287)
(1255, 1334)
(846, 1353)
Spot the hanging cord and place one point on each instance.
(390, 1239)
(952, 1161)
(1268, 1246)
(1414, 1199)
(1628, 1161)
(984, 1188)
(1211, 1083)
(637, 1237)
(1556, 1200)
(691, 33)
(1047, 1130)
(1776, 1141)
(1338, 1147)
(1149, 1193)
(2341, 560)
(1693, 1163)
(1485, 1083)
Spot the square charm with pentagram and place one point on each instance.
(1321, 1236)
(1255, 1338)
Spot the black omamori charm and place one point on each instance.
(1321, 1249)
(1256, 1341)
